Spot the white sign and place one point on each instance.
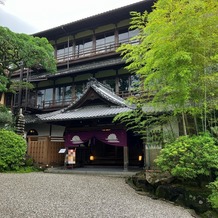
(62, 151)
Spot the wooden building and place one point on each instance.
(77, 99)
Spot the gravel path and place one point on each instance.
(47, 195)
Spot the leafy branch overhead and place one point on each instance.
(176, 57)
(18, 50)
(177, 52)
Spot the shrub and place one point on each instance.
(28, 161)
(13, 149)
(213, 197)
(189, 156)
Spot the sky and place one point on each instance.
(31, 16)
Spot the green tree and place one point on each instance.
(19, 51)
(176, 58)
(6, 118)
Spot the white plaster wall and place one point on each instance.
(43, 129)
(57, 130)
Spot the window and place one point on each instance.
(87, 46)
(59, 91)
(64, 51)
(110, 83)
(125, 35)
(100, 44)
(44, 97)
(83, 47)
(134, 82)
(68, 93)
(124, 84)
(80, 88)
(105, 42)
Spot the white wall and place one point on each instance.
(44, 129)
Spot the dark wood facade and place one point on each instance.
(85, 49)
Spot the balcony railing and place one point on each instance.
(58, 104)
(54, 104)
(70, 54)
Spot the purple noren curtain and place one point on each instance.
(115, 137)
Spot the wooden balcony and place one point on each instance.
(72, 56)
(57, 104)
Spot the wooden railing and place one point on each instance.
(71, 54)
(56, 104)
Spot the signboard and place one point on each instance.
(62, 151)
(71, 156)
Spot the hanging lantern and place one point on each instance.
(140, 157)
(91, 157)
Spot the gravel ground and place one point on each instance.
(58, 195)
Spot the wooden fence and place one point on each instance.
(44, 150)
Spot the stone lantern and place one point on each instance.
(20, 124)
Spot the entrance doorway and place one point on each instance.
(99, 153)
(105, 154)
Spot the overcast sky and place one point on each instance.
(39, 15)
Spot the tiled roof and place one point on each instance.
(96, 111)
(31, 118)
(108, 94)
(79, 68)
(90, 66)
(104, 91)
(77, 111)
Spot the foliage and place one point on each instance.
(6, 117)
(189, 156)
(176, 58)
(13, 149)
(28, 161)
(142, 123)
(213, 197)
(26, 169)
(20, 51)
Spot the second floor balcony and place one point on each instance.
(73, 51)
(55, 104)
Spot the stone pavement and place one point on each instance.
(95, 170)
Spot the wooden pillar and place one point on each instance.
(117, 83)
(125, 158)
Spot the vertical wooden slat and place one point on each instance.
(44, 151)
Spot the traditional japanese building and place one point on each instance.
(89, 128)
(74, 107)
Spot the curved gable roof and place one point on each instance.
(98, 90)
(109, 105)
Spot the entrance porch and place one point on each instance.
(45, 152)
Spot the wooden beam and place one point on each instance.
(125, 158)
